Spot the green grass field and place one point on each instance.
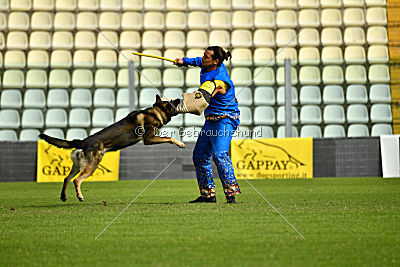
(354, 221)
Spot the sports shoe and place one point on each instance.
(231, 200)
(201, 199)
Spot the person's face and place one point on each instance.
(208, 61)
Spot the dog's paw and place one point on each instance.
(180, 144)
(63, 199)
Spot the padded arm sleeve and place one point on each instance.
(196, 62)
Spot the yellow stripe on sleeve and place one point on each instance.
(209, 86)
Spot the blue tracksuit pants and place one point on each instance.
(214, 141)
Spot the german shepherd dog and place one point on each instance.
(136, 126)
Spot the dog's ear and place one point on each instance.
(158, 98)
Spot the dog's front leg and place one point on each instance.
(159, 140)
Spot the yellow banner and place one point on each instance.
(273, 158)
(54, 164)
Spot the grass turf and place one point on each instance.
(353, 221)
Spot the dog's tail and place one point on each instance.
(76, 143)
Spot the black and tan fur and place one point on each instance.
(136, 126)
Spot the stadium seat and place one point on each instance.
(172, 53)
(334, 114)
(244, 96)
(86, 21)
(3, 22)
(172, 93)
(380, 93)
(281, 132)
(220, 20)
(81, 98)
(309, 56)
(381, 3)
(59, 79)
(309, 75)
(17, 40)
(147, 62)
(64, 21)
(104, 78)
(40, 40)
(198, 4)
(264, 19)
(331, 55)
(170, 132)
(32, 118)
(242, 19)
(246, 116)
(377, 35)
(310, 114)
(280, 76)
(56, 117)
(357, 113)
(197, 39)
(264, 95)
(241, 57)
(121, 113)
(151, 78)
(8, 135)
(264, 115)
(76, 133)
(36, 78)
(264, 38)
(38, 59)
(173, 78)
(355, 54)
(241, 76)
(34, 98)
(82, 78)
(378, 54)
(176, 21)
(198, 20)
(264, 4)
(308, 4)
(79, 117)
(263, 76)
(176, 121)
(131, 21)
(174, 39)
(147, 97)
(66, 5)
(9, 119)
(63, 40)
(106, 58)
(193, 120)
(289, 4)
(180, 5)
(313, 131)
(85, 40)
(123, 97)
(309, 37)
(4, 5)
(262, 132)
(130, 40)
(286, 18)
(310, 95)
(192, 77)
(331, 36)
(152, 40)
(109, 21)
(309, 18)
(263, 56)
(104, 97)
(10, 98)
(57, 98)
(376, 16)
(354, 36)
(22, 5)
(381, 129)
(88, 5)
(357, 130)
(356, 93)
(381, 113)
(281, 115)
(157, 5)
(29, 135)
(286, 53)
(110, 5)
(41, 21)
(14, 59)
(13, 79)
(18, 21)
(219, 37)
(57, 133)
(241, 38)
(332, 75)
(280, 96)
(331, 17)
(125, 56)
(286, 37)
(334, 131)
(102, 117)
(378, 73)
(107, 40)
(190, 134)
(153, 21)
(356, 74)
(353, 17)
(123, 78)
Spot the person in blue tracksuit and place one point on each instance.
(222, 120)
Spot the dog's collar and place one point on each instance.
(159, 116)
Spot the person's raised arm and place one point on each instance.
(185, 61)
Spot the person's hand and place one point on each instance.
(178, 62)
(219, 90)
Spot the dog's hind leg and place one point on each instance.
(74, 171)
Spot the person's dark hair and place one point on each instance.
(219, 54)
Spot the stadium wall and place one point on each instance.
(333, 157)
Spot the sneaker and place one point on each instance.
(231, 200)
(201, 199)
